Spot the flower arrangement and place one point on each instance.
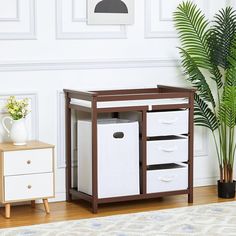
(17, 109)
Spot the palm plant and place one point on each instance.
(208, 53)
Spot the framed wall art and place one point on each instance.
(110, 12)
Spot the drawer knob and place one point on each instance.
(29, 162)
(29, 186)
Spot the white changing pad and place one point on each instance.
(131, 103)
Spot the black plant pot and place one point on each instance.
(226, 190)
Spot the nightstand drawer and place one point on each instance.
(174, 178)
(167, 123)
(25, 187)
(28, 162)
(167, 151)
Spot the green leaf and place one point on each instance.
(196, 77)
(194, 35)
(222, 36)
(204, 115)
(230, 78)
(227, 112)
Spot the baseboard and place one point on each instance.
(61, 196)
(201, 182)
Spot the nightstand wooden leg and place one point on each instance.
(8, 210)
(33, 203)
(46, 206)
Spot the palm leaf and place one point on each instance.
(204, 115)
(196, 77)
(194, 36)
(230, 78)
(222, 36)
(227, 112)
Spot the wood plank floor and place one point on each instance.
(25, 215)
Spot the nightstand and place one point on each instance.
(26, 173)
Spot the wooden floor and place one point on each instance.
(61, 211)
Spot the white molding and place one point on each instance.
(75, 19)
(15, 19)
(230, 3)
(34, 109)
(31, 34)
(161, 18)
(61, 130)
(147, 19)
(149, 33)
(205, 143)
(33, 17)
(35, 114)
(61, 34)
(88, 64)
(61, 158)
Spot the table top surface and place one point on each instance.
(161, 92)
(30, 145)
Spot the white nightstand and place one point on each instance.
(26, 173)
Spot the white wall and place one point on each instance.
(46, 46)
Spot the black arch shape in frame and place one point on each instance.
(111, 6)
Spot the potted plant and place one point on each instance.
(208, 54)
(18, 110)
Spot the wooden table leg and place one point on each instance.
(46, 206)
(7, 210)
(190, 196)
(94, 207)
(33, 203)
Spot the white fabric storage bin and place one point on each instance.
(167, 123)
(167, 151)
(118, 157)
(172, 177)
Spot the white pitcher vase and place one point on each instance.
(18, 131)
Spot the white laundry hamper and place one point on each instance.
(117, 155)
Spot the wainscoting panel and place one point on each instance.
(159, 15)
(61, 160)
(17, 19)
(72, 23)
(68, 53)
(9, 11)
(201, 141)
